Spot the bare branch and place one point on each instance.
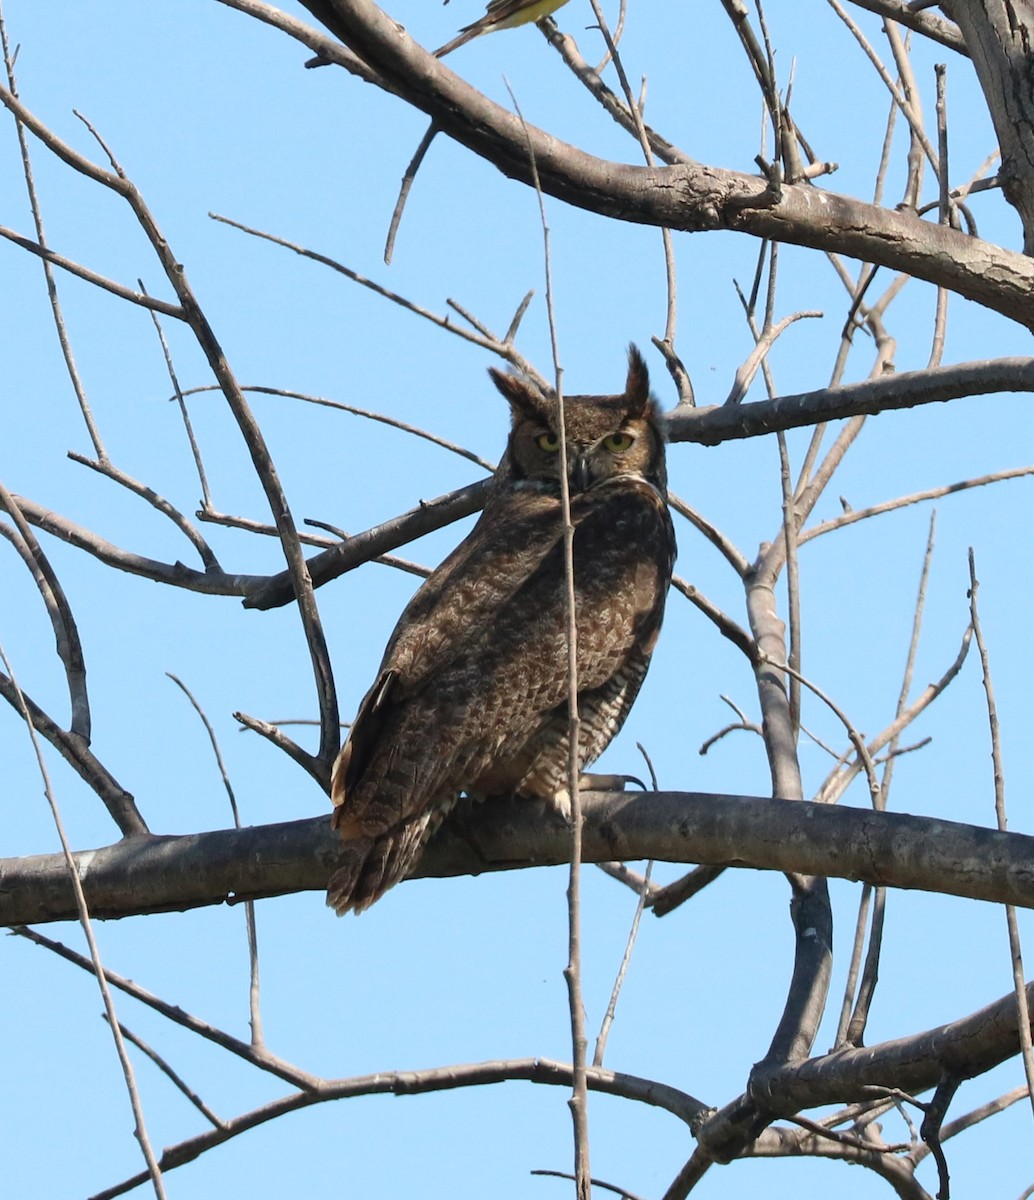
(711, 425)
(679, 196)
(190, 531)
(724, 623)
(1022, 1011)
(249, 906)
(152, 873)
(66, 633)
(176, 1080)
(153, 1173)
(212, 582)
(626, 958)
(486, 342)
(119, 803)
(362, 547)
(928, 24)
(414, 1083)
(367, 413)
(195, 449)
(862, 514)
(48, 274)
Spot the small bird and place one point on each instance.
(472, 693)
(502, 14)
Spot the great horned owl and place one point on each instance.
(472, 693)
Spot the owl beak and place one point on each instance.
(578, 473)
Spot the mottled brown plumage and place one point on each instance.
(471, 696)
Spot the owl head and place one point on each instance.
(608, 437)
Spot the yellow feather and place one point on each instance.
(502, 14)
(521, 12)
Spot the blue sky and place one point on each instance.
(210, 112)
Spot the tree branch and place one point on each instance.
(711, 425)
(689, 197)
(148, 873)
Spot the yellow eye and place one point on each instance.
(548, 442)
(618, 443)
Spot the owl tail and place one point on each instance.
(369, 866)
(363, 875)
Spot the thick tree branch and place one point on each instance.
(684, 196)
(161, 873)
(921, 21)
(999, 34)
(711, 425)
(960, 1049)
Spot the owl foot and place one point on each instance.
(562, 803)
(588, 782)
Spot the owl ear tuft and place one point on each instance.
(637, 385)
(524, 398)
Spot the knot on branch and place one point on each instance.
(771, 196)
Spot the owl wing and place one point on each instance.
(472, 692)
(450, 612)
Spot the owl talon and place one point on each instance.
(586, 783)
(562, 803)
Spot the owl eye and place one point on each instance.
(618, 443)
(549, 442)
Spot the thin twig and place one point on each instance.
(407, 183)
(55, 302)
(791, 527)
(189, 530)
(725, 624)
(645, 890)
(836, 783)
(411, 1083)
(66, 632)
(903, 102)
(495, 345)
(366, 413)
(856, 738)
(612, 104)
(77, 269)
(886, 506)
(579, 1100)
(732, 555)
(624, 1193)
(120, 804)
(766, 339)
(256, 1056)
(290, 747)
(249, 905)
(852, 1032)
(1022, 1011)
(901, 49)
(174, 1078)
(945, 211)
(140, 1130)
(670, 272)
(179, 394)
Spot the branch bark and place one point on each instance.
(151, 873)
